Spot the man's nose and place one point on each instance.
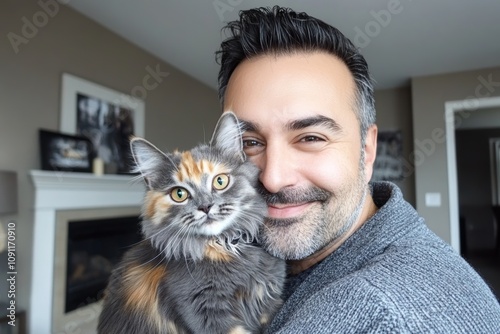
(277, 168)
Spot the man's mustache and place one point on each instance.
(294, 195)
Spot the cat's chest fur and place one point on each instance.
(222, 293)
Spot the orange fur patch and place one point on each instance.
(155, 206)
(189, 169)
(207, 166)
(217, 253)
(141, 286)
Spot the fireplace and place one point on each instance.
(83, 225)
(89, 244)
(93, 248)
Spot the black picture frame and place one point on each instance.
(64, 152)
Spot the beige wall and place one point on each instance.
(178, 111)
(429, 95)
(394, 113)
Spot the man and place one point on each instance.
(361, 259)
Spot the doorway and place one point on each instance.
(470, 133)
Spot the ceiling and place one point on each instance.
(400, 39)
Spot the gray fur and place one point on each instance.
(196, 293)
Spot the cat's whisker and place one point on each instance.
(154, 258)
(162, 230)
(180, 244)
(177, 239)
(136, 243)
(161, 262)
(151, 236)
(137, 178)
(190, 274)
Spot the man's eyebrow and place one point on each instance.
(248, 126)
(314, 121)
(297, 124)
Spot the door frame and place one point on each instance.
(451, 110)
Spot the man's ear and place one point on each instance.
(370, 148)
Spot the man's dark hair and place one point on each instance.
(281, 31)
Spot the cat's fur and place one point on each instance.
(197, 270)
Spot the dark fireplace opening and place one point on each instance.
(94, 249)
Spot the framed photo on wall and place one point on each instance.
(63, 152)
(388, 164)
(106, 117)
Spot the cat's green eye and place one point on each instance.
(179, 194)
(221, 181)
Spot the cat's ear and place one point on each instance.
(227, 135)
(149, 160)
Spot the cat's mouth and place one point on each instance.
(212, 225)
(209, 221)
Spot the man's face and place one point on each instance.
(302, 132)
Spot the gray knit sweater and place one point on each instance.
(392, 276)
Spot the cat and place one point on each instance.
(198, 268)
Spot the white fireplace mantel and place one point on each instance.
(68, 190)
(55, 191)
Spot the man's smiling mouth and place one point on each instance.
(287, 211)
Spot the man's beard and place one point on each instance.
(329, 217)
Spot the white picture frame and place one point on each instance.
(75, 91)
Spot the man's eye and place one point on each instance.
(252, 147)
(250, 143)
(311, 139)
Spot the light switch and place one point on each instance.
(433, 199)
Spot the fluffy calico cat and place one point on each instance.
(197, 269)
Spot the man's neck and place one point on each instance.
(298, 266)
